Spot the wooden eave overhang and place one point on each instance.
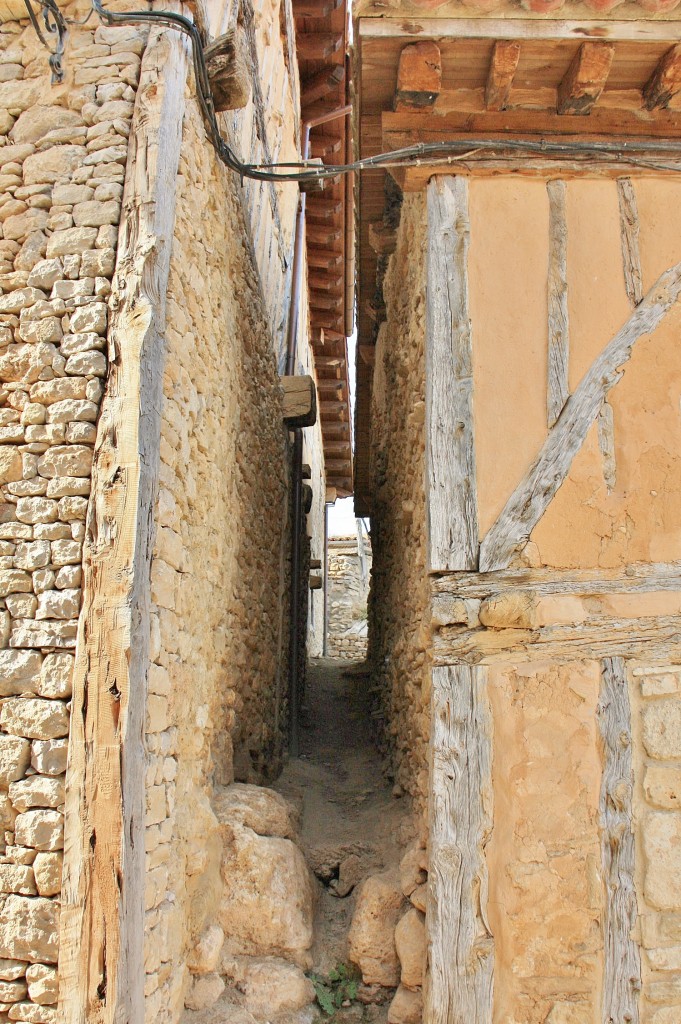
(426, 79)
(322, 29)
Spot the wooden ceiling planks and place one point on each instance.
(499, 78)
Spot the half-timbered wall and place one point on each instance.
(552, 479)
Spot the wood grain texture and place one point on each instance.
(459, 980)
(665, 80)
(532, 496)
(451, 492)
(599, 637)
(622, 958)
(102, 923)
(419, 75)
(585, 78)
(558, 320)
(502, 69)
(629, 235)
(635, 578)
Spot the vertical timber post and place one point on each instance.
(459, 977)
(101, 963)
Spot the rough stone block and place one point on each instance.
(15, 755)
(37, 791)
(40, 829)
(410, 942)
(662, 849)
(56, 676)
(662, 787)
(49, 756)
(34, 717)
(17, 878)
(43, 986)
(19, 672)
(662, 729)
(47, 870)
(371, 941)
(29, 929)
(406, 1007)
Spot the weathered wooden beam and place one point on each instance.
(329, 361)
(585, 78)
(299, 401)
(622, 956)
(322, 234)
(315, 563)
(315, 8)
(382, 239)
(307, 498)
(399, 27)
(324, 259)
(316, 582)
(326, 300)
(558, 322)
(101, 957)
(334, 408)
(320, 282)
(325, 146)
(325, 319)
(228, 70)
(665, 81)
(532, 496)
(319, 85)
(419, 75)
(635, 578)
(318, 45)
(605, 636)
(451, 490)
(629, 236)
(502, 69)
(459, 977)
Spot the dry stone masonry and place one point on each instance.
(348, 583)
(62, 164)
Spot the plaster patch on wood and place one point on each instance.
(629, 233)
(459, 983)
(534, 493)
(606, 443)
(559, 329)
(102, 923)
(451, 492)
(622, 967)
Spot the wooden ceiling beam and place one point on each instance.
(319, 85)
(325, 319)
(324, 259)
(320, 282)
(419, 76)
(665, 81)
(322, 234)
(318, 45)
(329, 361)
(516, 28)
(315, 8)
(585, 78)
(321, 208)
(326, 145)
(327, 300)
(502, 69)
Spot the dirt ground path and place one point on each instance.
(351, 824)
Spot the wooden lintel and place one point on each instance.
(665, 81)
(382, 239)
(419, 75)
(585, 78)
(319, 85)
(228, 70)
(299, 401)
(318, 45)
(502, 68)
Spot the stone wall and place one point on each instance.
(217, 704)
(399, 597)
(348, 591)
(62, 164)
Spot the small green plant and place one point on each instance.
(338, 988)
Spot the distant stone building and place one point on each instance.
(349, 568)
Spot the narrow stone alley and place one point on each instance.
(352, 825)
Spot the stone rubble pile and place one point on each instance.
(387, 939)
(250, 960)
(62, 164)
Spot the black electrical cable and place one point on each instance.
(636, 152)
